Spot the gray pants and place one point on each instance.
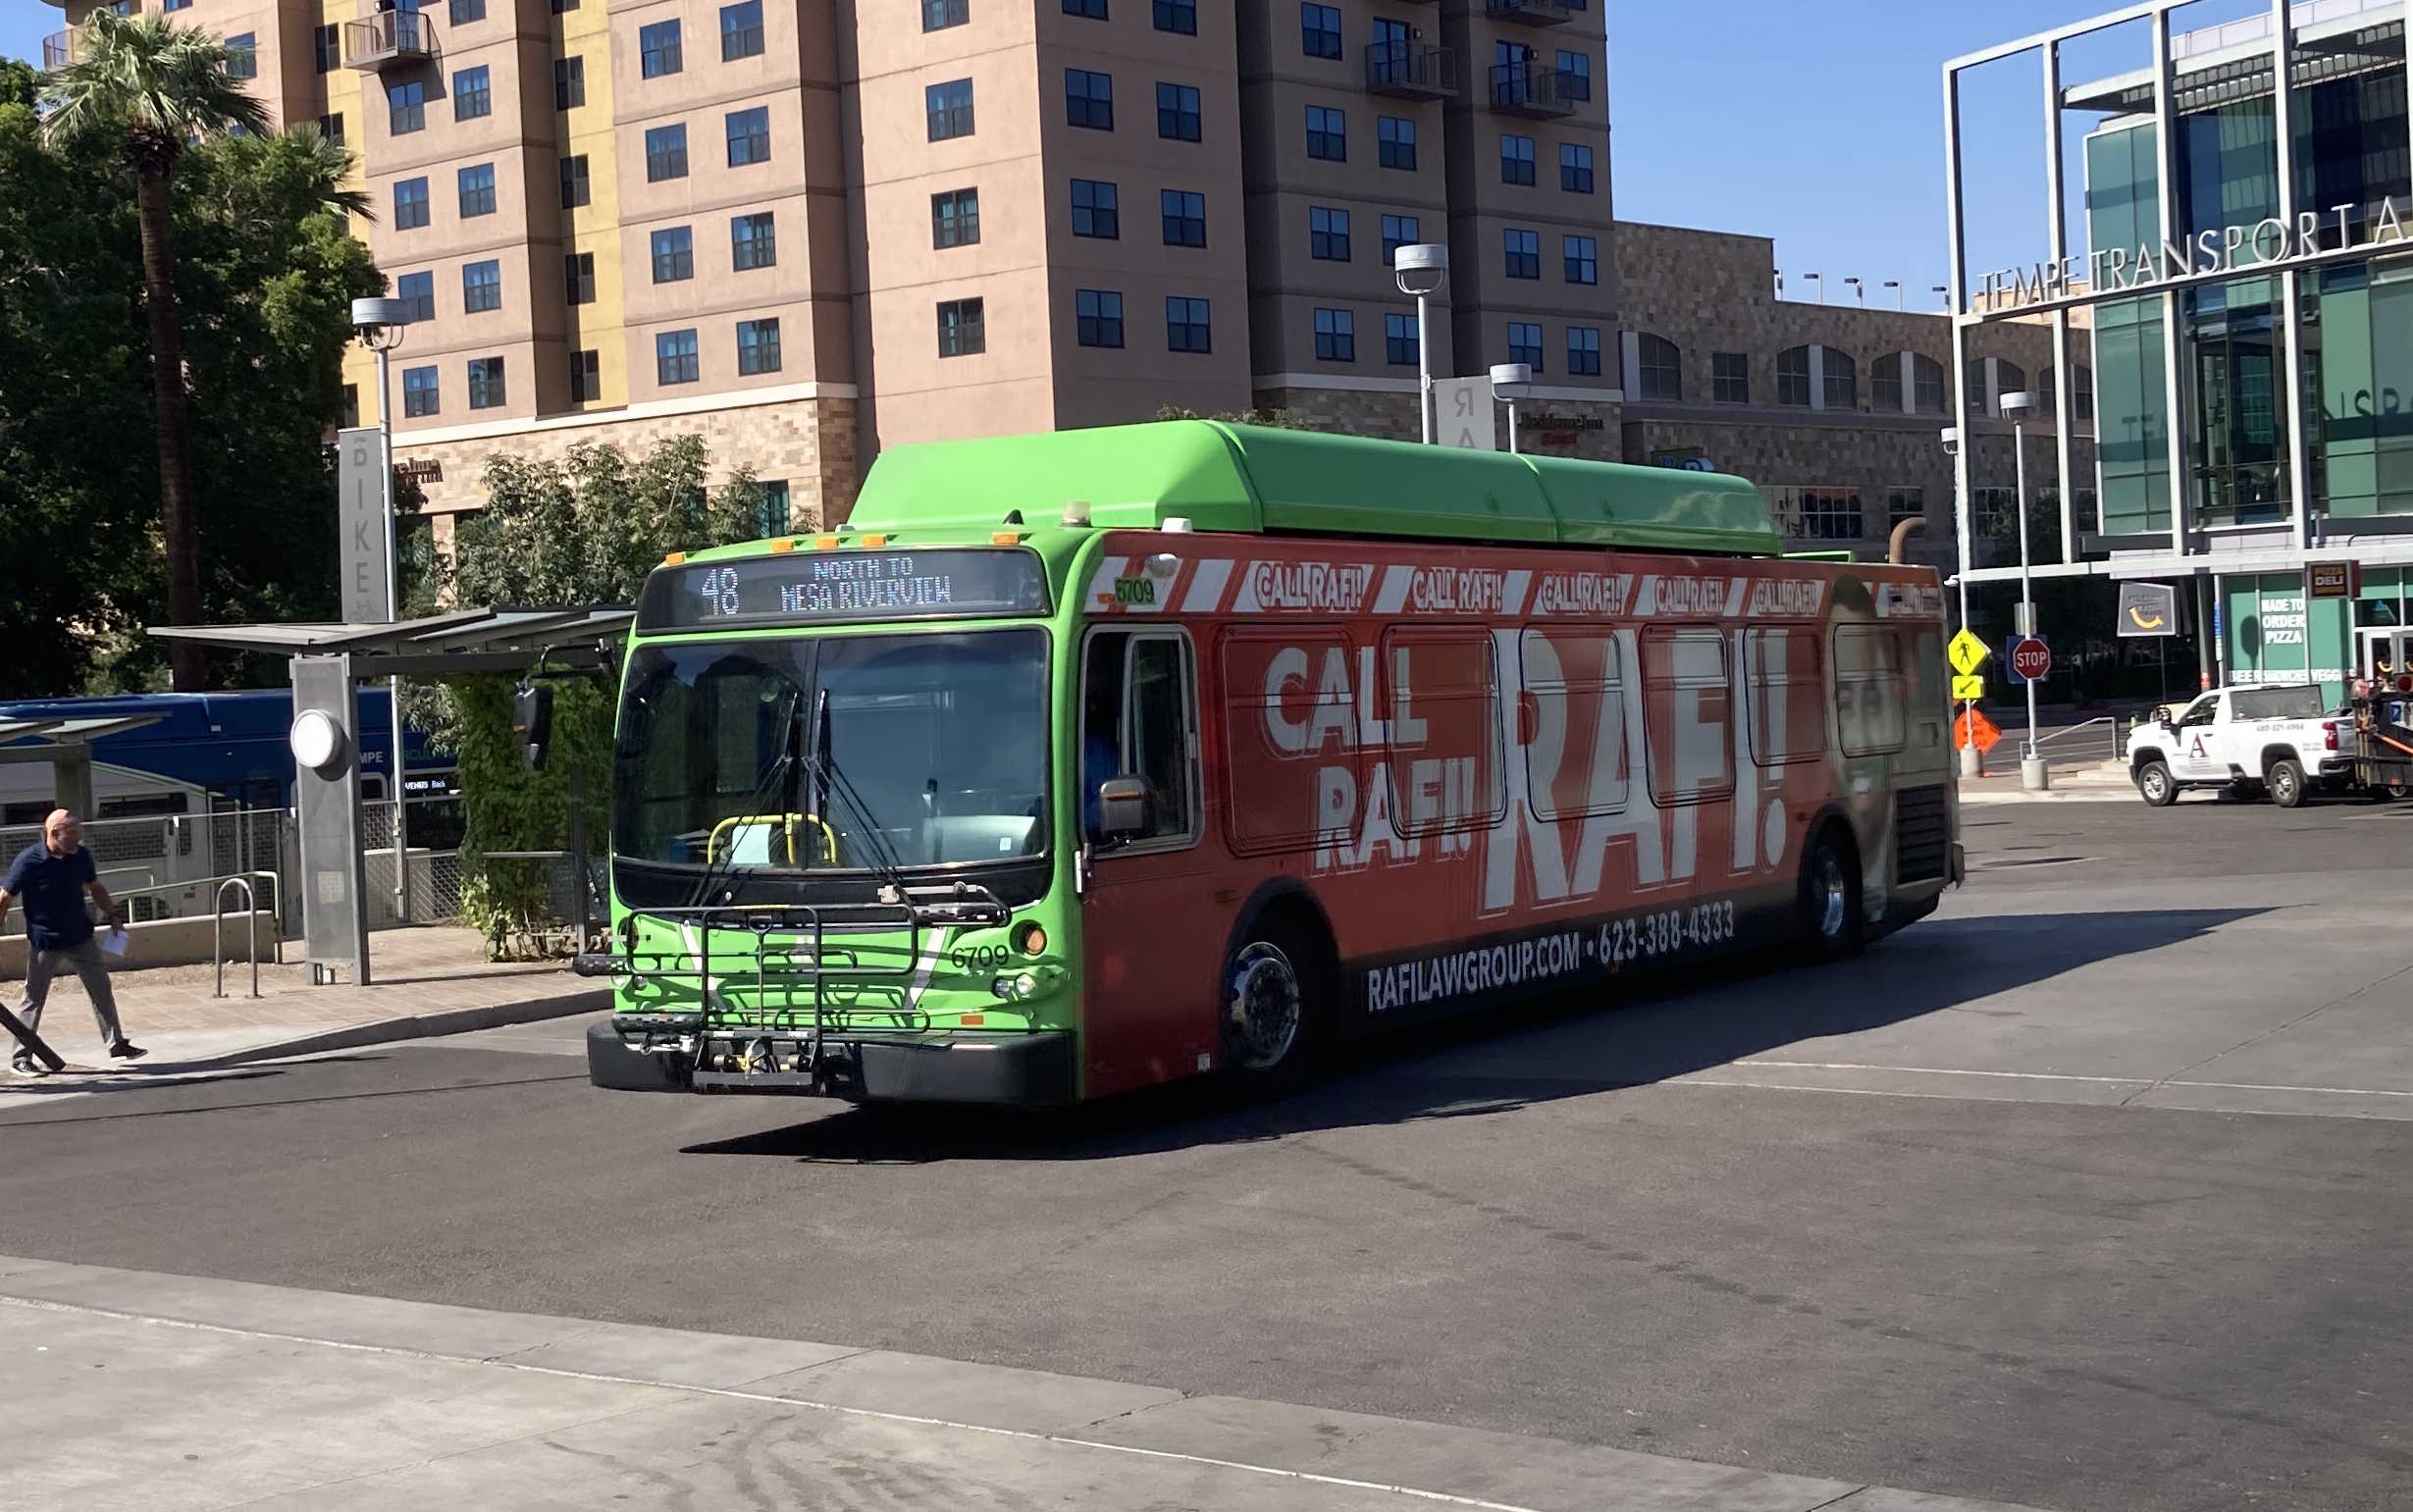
(91, 968)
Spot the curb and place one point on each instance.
(2051, 796)
(383, 1031)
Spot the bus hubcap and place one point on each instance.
(1834, 895)
(1265, 1007)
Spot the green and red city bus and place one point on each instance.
(1083, 761)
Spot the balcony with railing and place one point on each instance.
(1415, 70)
(1525, 89)
(1530, 12)
(388, 39)
(58, 50)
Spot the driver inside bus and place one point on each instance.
(1101, 750)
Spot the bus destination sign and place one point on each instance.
(826, 586)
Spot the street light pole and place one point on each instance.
(1422, 271)
(379, 324)
(2032, 774)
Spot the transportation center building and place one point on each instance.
(2238, 278)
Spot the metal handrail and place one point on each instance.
(218, 930)
(2046, 740)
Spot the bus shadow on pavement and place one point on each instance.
(1552, 1049)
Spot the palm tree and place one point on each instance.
(157, 87)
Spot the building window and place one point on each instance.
(1523, 249)
(674, 255)
(1793, 377)
(2082, 381)
(1819, 514)
(1582, 255)
(477, 190)
(406, 108)
(1327, 233)
(1089, 99)
(963, 328)
(331, 127)
(564, 7)
(1660, 368)
(1574, 75)
(486, 382)
(754, 241)
(578, 276)
(1399, 231)
(419, 395)
(1994, 511)
(1186, 326)
(1885, 385)
(939, 15)
(741, 30)
(473, 94)
(351, 417)
(1328, 133)
(955, 218)
(1928, 386)
(1399, 340)
(1905, 505)
(750, 135)
(1091, 10)
(1730, 377)
(569, 82)
(774, 517)
(2009, 377)
(1180, 16)
(657, 50)
(1319, 29)
(757, 346)
(665, 152)
(1584, 350)
(674, 358)
(1525, 344)
(1336, 335)
(949, 108)
(1842, 381)
(1575, 168)
(1185, 217)
(1095, 210)
(409, 204)
(1177, 112)
(1515, 159)
(418, 290)
(466, 11)
(1394, 142)
(1097, 317)
(242, 55)
(327, 49)
(576, 187)
(585, 375)
(481, 287)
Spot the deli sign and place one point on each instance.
(2332, 580)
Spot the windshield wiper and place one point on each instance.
(831, 783)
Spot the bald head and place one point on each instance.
(63, 832)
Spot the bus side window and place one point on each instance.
(1137, 720)
(1101, 722)
(1686, 706)
(1869, 691)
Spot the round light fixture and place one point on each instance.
(316, 741)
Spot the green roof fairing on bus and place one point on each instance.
(1254, 479)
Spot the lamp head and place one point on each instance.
(1952, 440)
(1422, 269)
(1511, 381)
(380, 322)
(2015, 405)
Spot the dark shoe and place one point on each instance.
(127, 1050)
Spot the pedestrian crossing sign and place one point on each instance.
(1968, 653)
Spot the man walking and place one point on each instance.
(52, 876)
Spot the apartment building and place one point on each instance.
(809, 229)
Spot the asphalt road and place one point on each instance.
(2090, 1192)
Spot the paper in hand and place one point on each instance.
(114, 940)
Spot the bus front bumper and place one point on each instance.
(1022, 1070)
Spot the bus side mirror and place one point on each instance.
(532, 724)
(1123, 808)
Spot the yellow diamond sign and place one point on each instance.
(1968, 690)
(1968, 653)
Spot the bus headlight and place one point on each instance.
(1026, 986)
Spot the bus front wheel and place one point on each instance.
(1270, 992)
(1830, 896)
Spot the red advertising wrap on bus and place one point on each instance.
(1495, 772)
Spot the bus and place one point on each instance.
(1079, 762)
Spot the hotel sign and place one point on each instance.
(2270, 245)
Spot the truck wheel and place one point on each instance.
(1831, 897)
(2155, 783)
(1270, 999)
(2285, 780)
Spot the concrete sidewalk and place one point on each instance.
(2100, 781)
(148, 1391)
(431, 980)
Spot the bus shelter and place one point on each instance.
(329, 662)
(67, 745)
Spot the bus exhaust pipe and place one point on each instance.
(1896, 544)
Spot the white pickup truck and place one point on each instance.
(2275, 738)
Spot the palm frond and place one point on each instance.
(143, 77)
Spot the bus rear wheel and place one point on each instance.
(1831, 897)
(1270, 992)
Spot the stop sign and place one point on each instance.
(2031, 658)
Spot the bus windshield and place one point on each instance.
(932, 751)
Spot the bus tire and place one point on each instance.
(1830, 899)
(1270, 1006)
(2285, 780)
(2156, 786)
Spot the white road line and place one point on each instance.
(2119, 1081)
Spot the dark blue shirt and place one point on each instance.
(51, 888)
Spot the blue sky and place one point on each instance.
(1818, 123)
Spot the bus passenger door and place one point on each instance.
(1150, 952)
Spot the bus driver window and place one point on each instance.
(1135, 722)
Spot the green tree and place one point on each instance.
(1277, 419)
(153, 89)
